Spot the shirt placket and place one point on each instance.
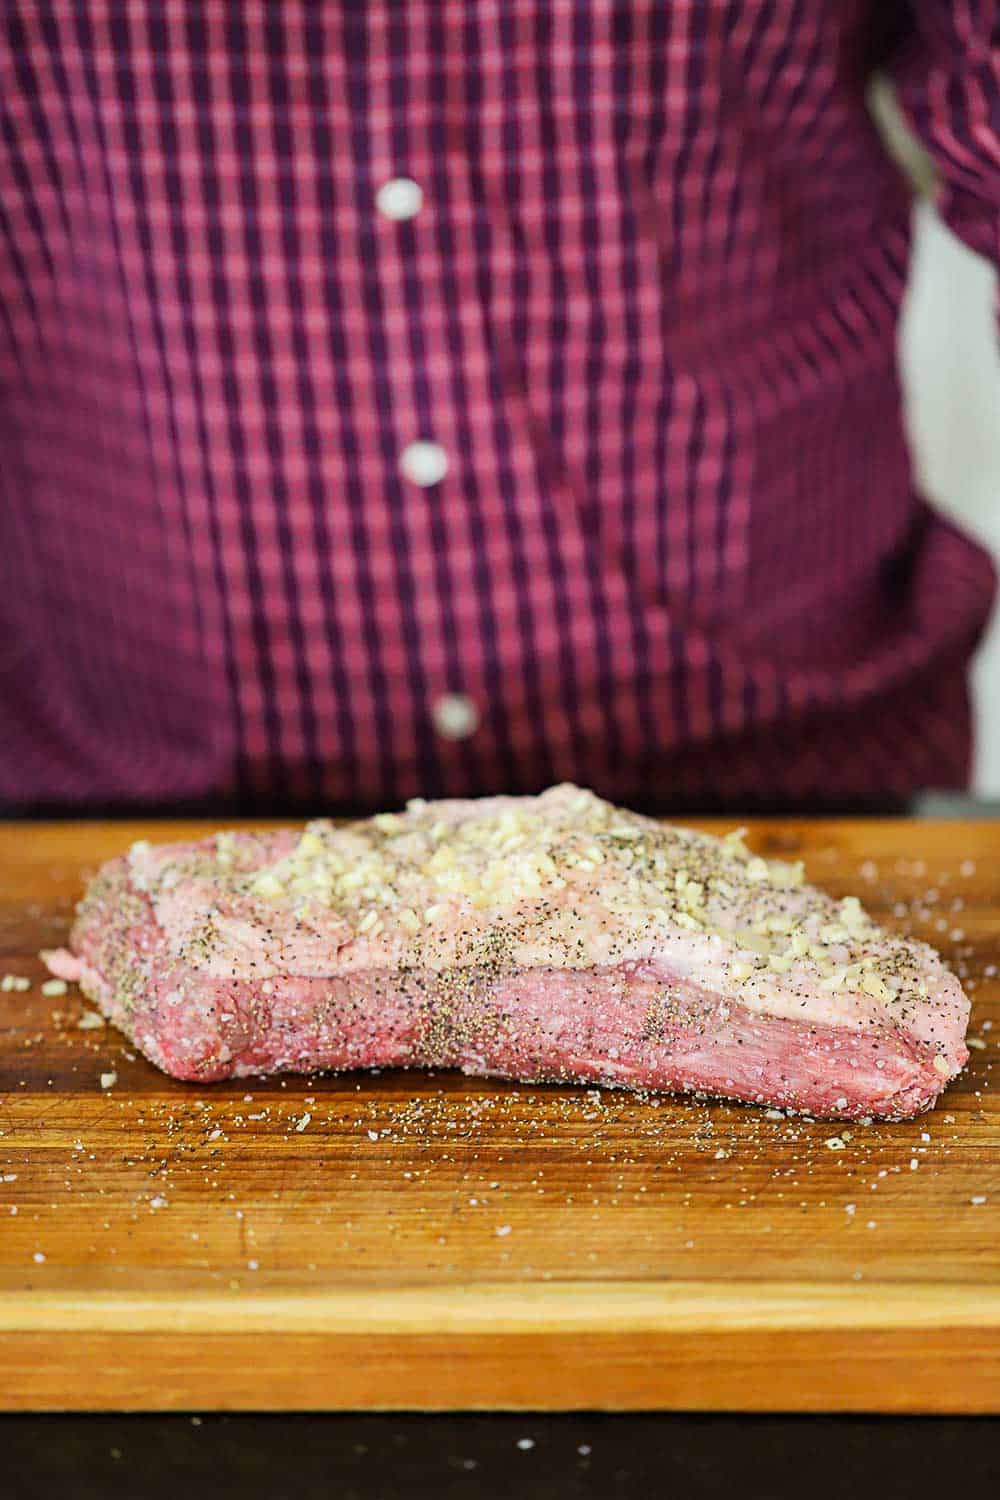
(425, 463)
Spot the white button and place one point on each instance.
(455, 716)
(423, 463)
(399, 199)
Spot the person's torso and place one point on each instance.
(421, 397)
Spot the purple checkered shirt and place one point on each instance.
(440, 397)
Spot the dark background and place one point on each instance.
(378, 1457)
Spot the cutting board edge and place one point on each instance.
(550, 1307)
(765, 1370)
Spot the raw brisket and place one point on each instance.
(553, 937)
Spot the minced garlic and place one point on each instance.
(447, 876)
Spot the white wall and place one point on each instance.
(950, 357)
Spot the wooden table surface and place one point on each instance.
(411, 1241)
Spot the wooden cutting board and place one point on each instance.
(422, 1241)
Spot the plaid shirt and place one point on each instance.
(444, 397)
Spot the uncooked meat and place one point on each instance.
(538, 938)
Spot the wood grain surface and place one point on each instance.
(422, 1241)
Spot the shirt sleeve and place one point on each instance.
(947, 78)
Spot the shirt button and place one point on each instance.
(401, 198)
(423, 463)
(455, 716)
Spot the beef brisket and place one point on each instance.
(555, 937)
